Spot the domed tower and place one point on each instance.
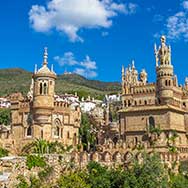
(43, 99)
(164, 71)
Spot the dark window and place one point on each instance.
(145, 102)
(151, 123)
(29, 131)
(40, 89)
(45, 88)
(68, 135)
(41, 134)
(166, 82)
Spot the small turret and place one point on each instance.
(143, 76)
(43, 93)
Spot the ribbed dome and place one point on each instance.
(44, 70)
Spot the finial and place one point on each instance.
(133, 64)
(35, 69)
(45, 56)
(129, 67)
(155, 48)
(122, 70)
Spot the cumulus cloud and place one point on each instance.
(69, 16)
(86, 67)
(67, 59)
(85, 72)
(177, 25)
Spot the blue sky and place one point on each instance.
(93, 37)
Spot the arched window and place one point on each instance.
(166, 82)
(68, 135)
(40, 89)
(169, 82)
(29, 131)
(41, 134)
(75, 139)
(145, 102)
(151, 123)
(57, 128)
(184, 104)
(45, 89)
(129, 103)
(56, 131)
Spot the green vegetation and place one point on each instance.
(3, 152)
(41, 147)
(22, 182)
(86, 133)
(35, 161)
(18, 80)
(5, 116)
(150, 173)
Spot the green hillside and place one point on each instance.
(13, 80)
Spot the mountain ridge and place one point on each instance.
(18, 80)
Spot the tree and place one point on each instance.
(88, 138)
(178, 181)
(5, 116)
(150, 173)
(72, 180)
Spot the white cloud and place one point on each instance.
(88, 64)
(69, 16)
(185, 4)
(85, 72)
(67, 59)
(177, 25)
(86, 68)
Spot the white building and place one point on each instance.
(4, 103)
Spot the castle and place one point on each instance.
(152, 115)
(151, 107)
(40, 115)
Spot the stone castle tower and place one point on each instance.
(40, 115)
(148, 107)
(43, 99)
(164, 71)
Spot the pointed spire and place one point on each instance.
(133, 66)
(35, 69)
(155, 48)
(45, 56)
(123, 70)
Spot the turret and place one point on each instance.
(164, 71)
(43, 94)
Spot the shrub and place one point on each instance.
(35, 161)
(3, 152)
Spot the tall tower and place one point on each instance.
(43, 99)
(164, 71)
